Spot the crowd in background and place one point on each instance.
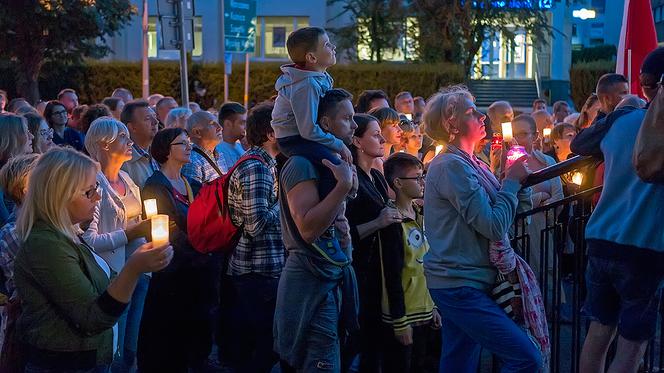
(372, 230)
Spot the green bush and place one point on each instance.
(583, 77)
(96, 80)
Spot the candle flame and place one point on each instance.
(150, 207)
(577, 178)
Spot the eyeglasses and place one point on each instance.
(59, 112)
(187, 144)
(419, 178)
(46, 133)
(90, 193)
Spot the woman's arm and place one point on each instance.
(102, 242)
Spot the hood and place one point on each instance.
(292, 75)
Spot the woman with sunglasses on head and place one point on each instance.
(116, 229)
(55, 114)
(70, 304)
(176, 328)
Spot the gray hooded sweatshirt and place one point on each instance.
(296, 107)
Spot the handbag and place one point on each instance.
(648, 156)
(508, 297)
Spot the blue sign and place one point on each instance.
(240, 26)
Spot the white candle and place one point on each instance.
(150, 207)
(577, 178)
(159, 230)
(507, 132)
(547, 134)
(439, 148)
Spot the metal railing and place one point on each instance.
(551, 238)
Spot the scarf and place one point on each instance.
(503, 257)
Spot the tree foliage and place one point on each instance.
(62, 31)
(382, 21)
(453, 30)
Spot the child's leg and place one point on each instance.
(314, 152)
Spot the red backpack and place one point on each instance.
(209, 224)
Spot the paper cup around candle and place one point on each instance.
(150, 207)
(159, 230)
(547, 134)
(515, 153)
(577, 178)
(507, 131)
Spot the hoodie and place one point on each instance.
(296, 108)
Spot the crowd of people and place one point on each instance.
(373, 236)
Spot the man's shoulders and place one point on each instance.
(296, 170)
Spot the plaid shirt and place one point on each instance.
(200, 169)
(253, 204)
(9, 246)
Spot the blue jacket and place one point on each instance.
(628, 212)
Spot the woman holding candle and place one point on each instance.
(176, 328)
(116, 229)
(69, 302)
(467, 216)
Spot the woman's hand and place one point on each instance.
(518, 171)
(150, 259)
(387, 216)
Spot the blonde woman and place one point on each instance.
(117, 229)
(467, 216)
(69, 302)
(15, 139)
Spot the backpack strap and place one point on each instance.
(207, 158)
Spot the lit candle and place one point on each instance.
(409, 116)
(439, 148)
(150, 207)
(515, 153)
(577, 178)
(159, 230)
(507, 132)
(547, 134)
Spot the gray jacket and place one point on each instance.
(296, 107)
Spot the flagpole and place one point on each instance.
(629, 69)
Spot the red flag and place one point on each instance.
(637, 38)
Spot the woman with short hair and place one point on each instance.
(117, 228)
(467, 216)
(55, 114)
(176, 328)
(389, 120)
(69, 302)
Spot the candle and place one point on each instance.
(150, 207)
(439, 148)
(515, 153)
(577, 178)
(159, 230)
(507, 132)
(409, 116)
(547, 134)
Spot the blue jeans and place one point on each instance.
(323, 351)
(472, 321)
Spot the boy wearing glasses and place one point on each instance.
(407, 308)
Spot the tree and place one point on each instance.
(66, 31)
(453, 31)
(381, 20)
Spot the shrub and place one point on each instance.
(96, 80)
(583, 77)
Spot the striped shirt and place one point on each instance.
(200, 169)
(9, 246)
(253, 204)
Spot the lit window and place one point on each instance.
(154, 40)
(406, 48)
(272, 32)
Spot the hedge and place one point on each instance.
(584, 76)
(96, 80)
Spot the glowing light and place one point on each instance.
(584, 14)
(150, 207)
(507, 131)
(577, 178)
(159, 230)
